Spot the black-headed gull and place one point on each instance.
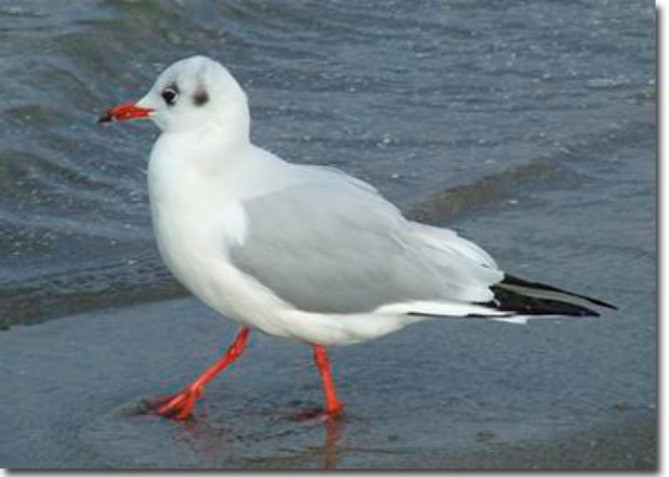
(299, 251)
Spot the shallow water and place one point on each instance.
(489, 96)
(528, 126)
(438, 395)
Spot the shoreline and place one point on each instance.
(82, 377)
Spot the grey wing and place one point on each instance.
(335, 247)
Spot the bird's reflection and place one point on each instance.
(333, 431)
(277, 442)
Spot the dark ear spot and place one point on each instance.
(200, 97)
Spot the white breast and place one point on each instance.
(196, 218)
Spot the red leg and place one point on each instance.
(180, 405)
(332, 405)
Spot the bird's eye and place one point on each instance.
(169, 95)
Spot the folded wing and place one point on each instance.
(333, 245)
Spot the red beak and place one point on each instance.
(125, 112)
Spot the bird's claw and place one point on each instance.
(335, 413)
(178, 406)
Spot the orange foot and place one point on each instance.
(178, 406)
(335, 411)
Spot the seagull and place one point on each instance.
(299, 251)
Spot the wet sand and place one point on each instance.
(438, 396)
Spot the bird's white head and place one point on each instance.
(192, 94)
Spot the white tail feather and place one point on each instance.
(440, 308)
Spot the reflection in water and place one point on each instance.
(333, 429)
(276, 443)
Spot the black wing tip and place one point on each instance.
(543, 308)
(589, 313)
(603, 304)
(520, 304)
(514, 280)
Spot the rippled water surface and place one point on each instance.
(529, 126)
(417, 98)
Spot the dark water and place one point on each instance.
(528, 126)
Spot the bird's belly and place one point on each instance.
(343, 329)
